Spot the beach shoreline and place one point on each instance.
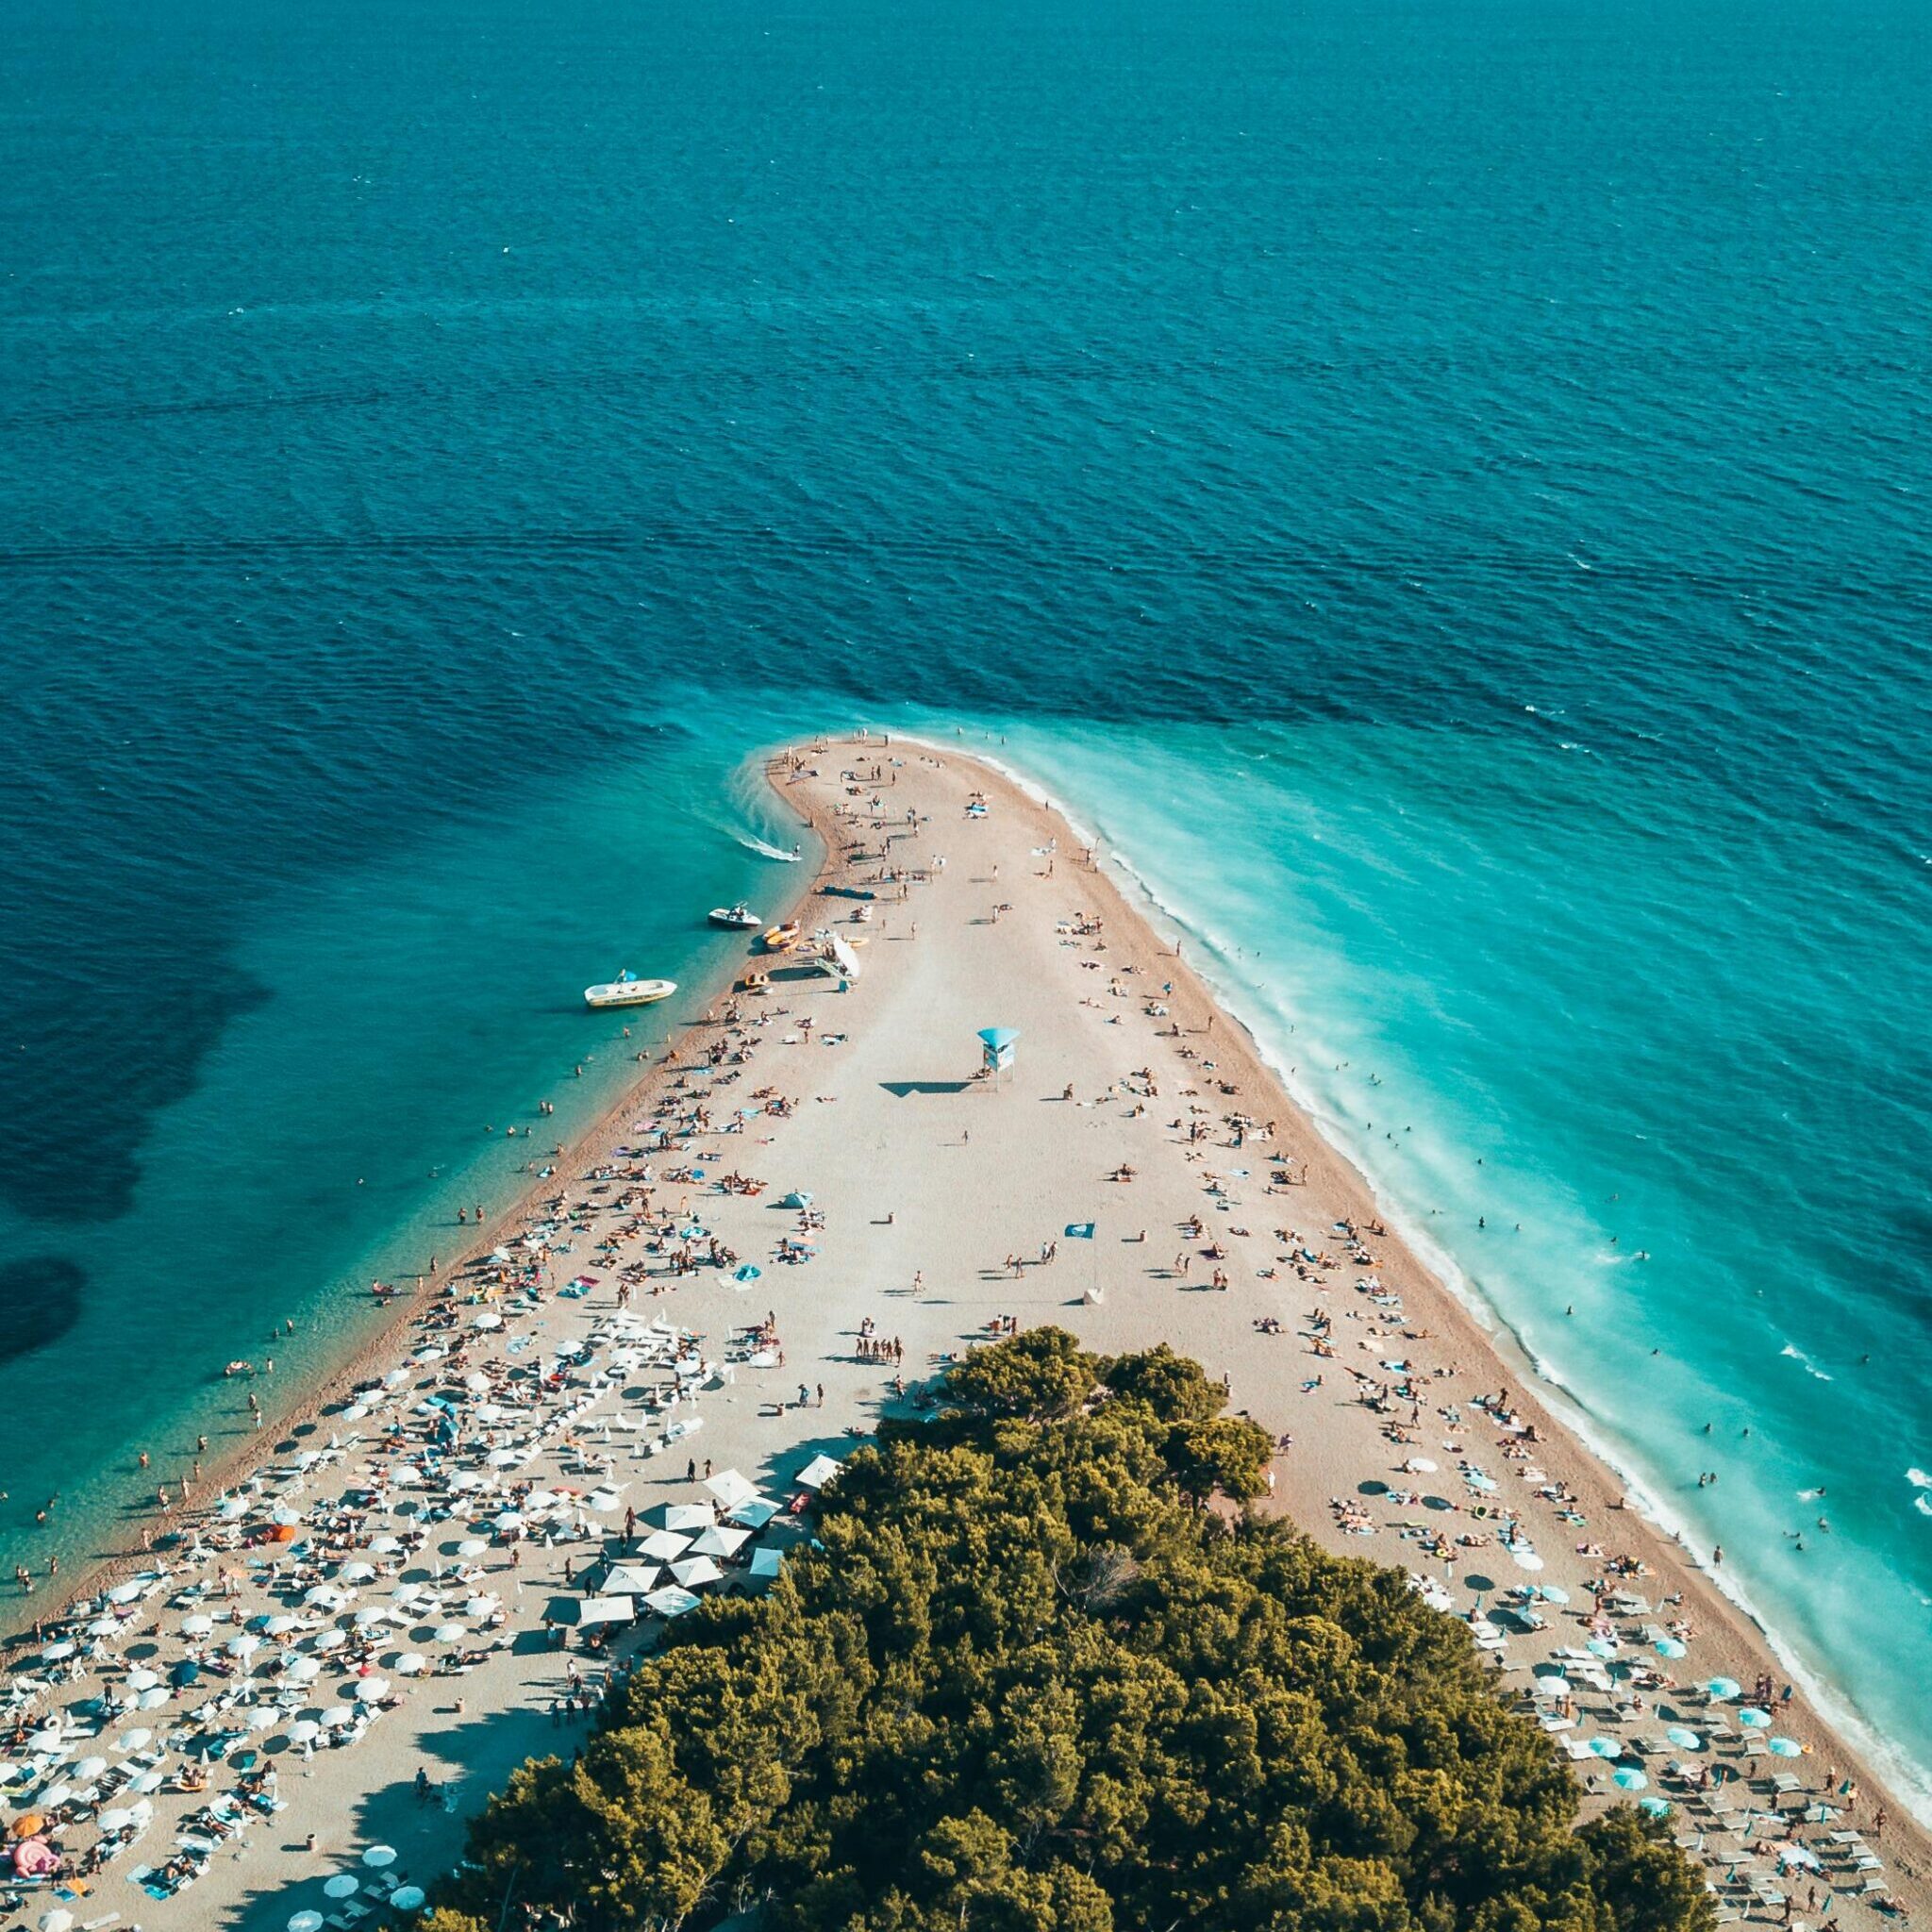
(1859, 1747)
(372, 1337)
(889, 1111)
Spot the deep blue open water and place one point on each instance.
(1443, 486)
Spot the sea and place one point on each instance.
(1439, 486)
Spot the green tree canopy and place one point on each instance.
(1029, 1682)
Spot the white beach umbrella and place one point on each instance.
(303, 1669)
(695, 1571)
(305, 1922)
(686, 1516)
(304, 1731)
(342, 1714)
(488, 1319)
(730, 1488)
(281, 1624)
(147, 1781)
(58, 1652)
(104, 1626)
(719, 1541)
(356, 1572)
(150, 1699)
(343, 1884)
(116, 1820)
(134, 1740)
(472, 1546)
(60, 1919)
(89, 1769)
(451, 1633)
(378, 1856)
(141, 1680)
(385, 1546)
(408, 1898)
(372, 1689)
(480, 1607)
(331, 1639)
(411, 1664)
(672, 1601)
(197, 1625)
(244, 1646)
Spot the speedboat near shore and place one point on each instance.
(738, 918)
(627, 989)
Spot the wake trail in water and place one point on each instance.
(765, 850)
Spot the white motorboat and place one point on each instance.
(738, 918)
(627, 989)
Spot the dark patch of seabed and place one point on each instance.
(39, 1300)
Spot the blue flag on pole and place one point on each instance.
(1079, 1230)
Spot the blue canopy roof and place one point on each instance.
(997, 1037)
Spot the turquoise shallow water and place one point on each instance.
(1445, 490)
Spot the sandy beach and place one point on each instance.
(1135, 1174)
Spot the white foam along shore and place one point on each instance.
(1214, 964)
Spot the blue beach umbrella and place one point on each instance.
(1784, 1747)
(1722, 1688)
(1552, 1592)
(1597, 1647)
(1604, 1747)
(1658, 1808)
(1753, 1718)
(1629, 1778)
(1683, 1739)
(748, 1272)
(1669, 1646)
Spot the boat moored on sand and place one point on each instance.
(738, 918)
